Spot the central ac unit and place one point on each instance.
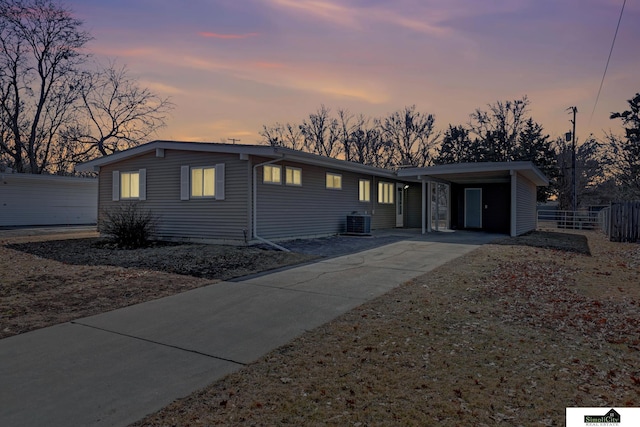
(359, 224)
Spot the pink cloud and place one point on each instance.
(226, 36)
(268, 65)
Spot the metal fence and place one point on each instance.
(571, 220)
(620, 221)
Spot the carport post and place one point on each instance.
(430, 207)
(514, 203)
(424, 205)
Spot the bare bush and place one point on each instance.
(128, 225)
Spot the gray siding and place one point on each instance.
(283, 211)
(27, 199)
(525, 205)
(312, 209)
(203, 219)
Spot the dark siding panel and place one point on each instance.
(496, 201)
(413, 196)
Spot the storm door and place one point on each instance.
(473, 208)
(399, 205)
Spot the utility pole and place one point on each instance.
(233, 140)
(574, 198)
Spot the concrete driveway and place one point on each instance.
(113, 369)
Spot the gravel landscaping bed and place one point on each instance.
(47, 282)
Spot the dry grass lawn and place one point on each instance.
(509, 335)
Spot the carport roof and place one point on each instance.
(481, 172)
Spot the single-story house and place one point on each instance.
(33, 200)
(237, 193)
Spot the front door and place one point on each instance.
(399, 205)
(473, 208)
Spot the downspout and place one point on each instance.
(255, 205)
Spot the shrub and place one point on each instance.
(128, 225)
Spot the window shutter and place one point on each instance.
(220, 181)
(184, 182)
(142, 195)
(115, 186)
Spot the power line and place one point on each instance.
(608, 59)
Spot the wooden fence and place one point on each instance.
(621, 221)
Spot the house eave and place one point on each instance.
(265, 151)
(466, 173)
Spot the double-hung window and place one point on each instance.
(202, 182)
(272, 174)
(364, 191)
(385, 193)
(293, 176)
(334, 181)
(129, 185)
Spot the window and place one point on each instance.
(364, 194)
(203, 182)
(334, 181)
(272, 174)
(385, 193)
(293, 176)
(129, 185)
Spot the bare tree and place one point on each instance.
(280, 135)
(114, 113)
(367, 146)
(345, 129)
(320, 133)
(41, 54)
(498, 129)
(413, 135)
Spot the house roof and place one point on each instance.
(266, 151)
(461, 173)
(472, 173)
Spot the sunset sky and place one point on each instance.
(231, 66)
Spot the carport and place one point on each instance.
(490, 196)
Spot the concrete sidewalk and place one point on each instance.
(113, 369)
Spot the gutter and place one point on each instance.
(255, 205)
